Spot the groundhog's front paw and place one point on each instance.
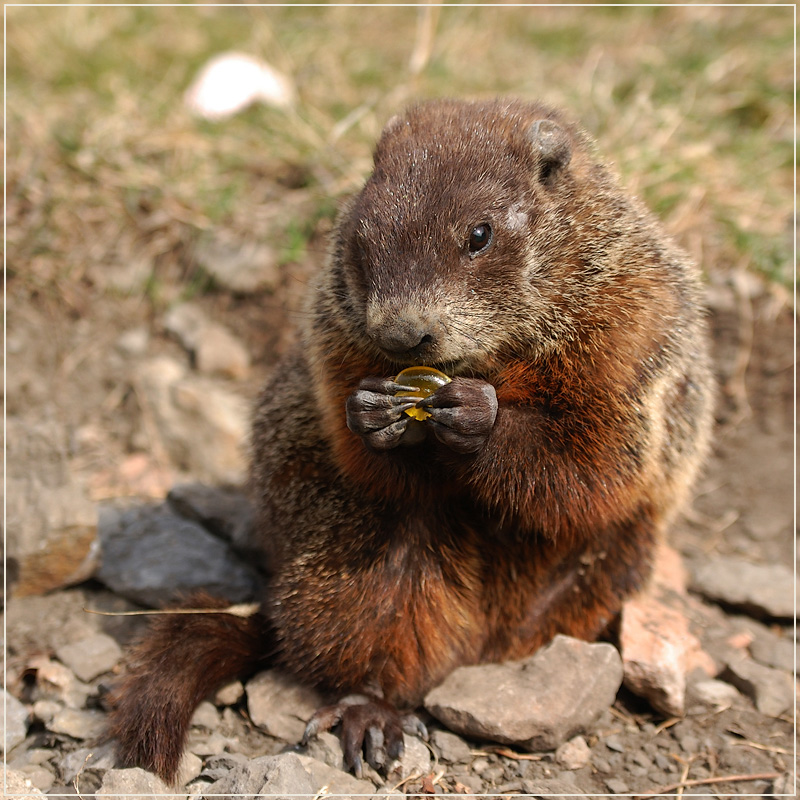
(375, 414)
(462, 413)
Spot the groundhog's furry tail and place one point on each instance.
(181, 660)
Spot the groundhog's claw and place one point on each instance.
(462, 413)
(374, 412)
(371, 726)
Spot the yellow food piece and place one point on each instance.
(425, 380)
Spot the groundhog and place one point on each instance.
(491, 244)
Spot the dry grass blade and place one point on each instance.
(239, 610)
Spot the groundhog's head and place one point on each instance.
(462, 247)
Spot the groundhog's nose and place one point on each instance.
(404, 335)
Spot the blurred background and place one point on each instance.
(139, 229)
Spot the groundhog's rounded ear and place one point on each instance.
(552, 144)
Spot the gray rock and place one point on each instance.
(51, 522)
(224, 512)
(190, 768)
(785, 784)
(151, 556)
(134, 342)
(39, 776)
(101, 758)
(773, 651)
(714, 693)
(549, 787)
(241, 266)
(617, 786)
(57, 683)
(573, 754)
(416, 758)
(79, 724)
(185, 321)
(451, 748)
(279, 705)
(337, 781)
(282, 776)
(16, 721)
(42, 624)
(770, 689)
(216, 350)
(203, 744)
(134, 783)
(764, 590)
(205, 716)
(45, 710)
(201, 426)
(327, 748)
(90, 657)
(538, 703)
(230, 694)
(18, 785)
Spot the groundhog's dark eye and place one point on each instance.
(479, 237)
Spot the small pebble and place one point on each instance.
(493, 773)
(451, 748)
(613, 743)
(574, 754)
(689, 743)
(43, 779)
(601, 765)
(479, 765)
(715, 693)
(205, 716)
(230, 694)
(45, 710)
(91, 656)
(617, 786)
(78, 724)
(663, 762)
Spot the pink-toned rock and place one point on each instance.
(658, 651)
(669, 571)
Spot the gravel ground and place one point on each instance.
(734, 739)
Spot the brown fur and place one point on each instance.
(394, 566)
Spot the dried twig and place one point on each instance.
(757, 746)
(685, 784)
(506, 753)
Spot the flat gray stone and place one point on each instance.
(151, 556)
(202, 426)
(224, 512)
(283, 776)
(451, 748)
(537, 703)
(16, 721)
(18, 785)
(762, 590)
(79, 724)
(91, 656)
(241, 266)
(339, 783)
(279, 705)
(135, 784)
(770, 689)
(51, 522)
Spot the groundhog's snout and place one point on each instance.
(404, 333)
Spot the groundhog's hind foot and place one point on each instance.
(367, 725)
